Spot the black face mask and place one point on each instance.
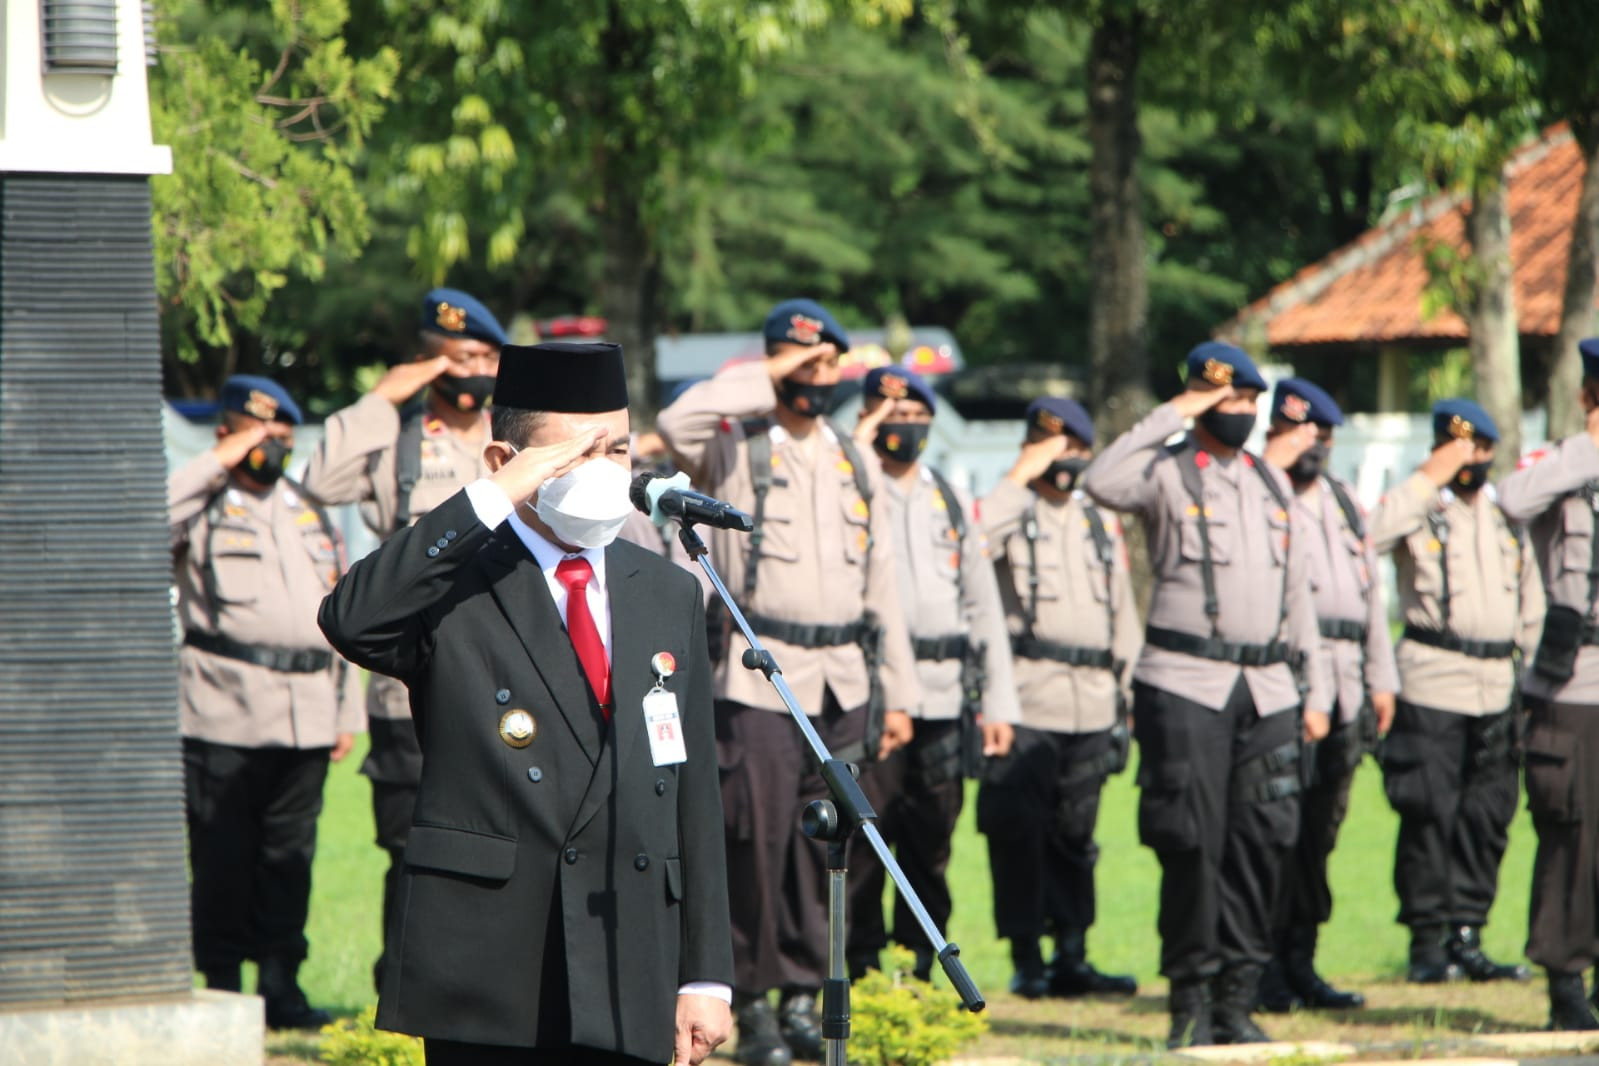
(1062, 473)
(805, 398)
(467, 394)
(266, 461)
(903, 442)
(1230, 429)
(1472, 477)
(1309, 466)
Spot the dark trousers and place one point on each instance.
(1452, 779)
(394, 764)
(452, 1053)
(777, 877)
(1306, 897)
(1563, 796)
(252, 833)
(917, 794)
(1221, 840)
(1038, 807)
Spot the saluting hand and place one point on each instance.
(231, 449)
(897, 732)
(405, 380)
(782, 365)
(1317, 725)
(522, 475)
(866, 427)
(1447, 460)
(1284, 449)
(703, 1024)
(1194, 402)
(1035, 458)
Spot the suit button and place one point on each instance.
(432, 551)
(503, 696)
(660, 786)
(441, 543)
(535, 775)
(449, 534)
(641, 862)
(570, 856)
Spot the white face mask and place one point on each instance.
(586, 506)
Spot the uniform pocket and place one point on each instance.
(1405, 778)
(1192, 546)
(674, 880)
(1553, 794)
(1166, 818)
(236, 574)
(461, 851)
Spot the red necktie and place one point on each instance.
(575, 574)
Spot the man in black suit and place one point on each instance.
(564, 895)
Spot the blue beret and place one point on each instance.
(1058, 414)
(1590, 357)
(457, 314)
(1297, 400)
(897, 383)
(804, 322)
(1223, 364)
(258, 397)
(1473, 420)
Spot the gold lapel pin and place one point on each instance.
(517, 728)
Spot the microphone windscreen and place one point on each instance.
(639, 492)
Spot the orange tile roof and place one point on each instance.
(1370, 290)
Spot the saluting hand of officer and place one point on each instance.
(1194, 402)
(783, 364)
(231, 449)
(522, 474)
(1284, 449)
(866, 428)
(405, 380)
(1035, 458)
(1447, 460)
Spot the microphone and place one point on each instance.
(665, 498)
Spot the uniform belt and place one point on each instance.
(285, 660)
(807, 635)
(1343, 629)
(1225, 651)
(1477, 649)
(1027, 647)
(950, 647)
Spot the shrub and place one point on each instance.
(355, 1042)
(897, 1020)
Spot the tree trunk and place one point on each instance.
(628, 281)
(1495, 348)
(1576, 307)
(1118, 336)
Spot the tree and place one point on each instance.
(263, 109)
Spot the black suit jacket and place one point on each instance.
(576, 838)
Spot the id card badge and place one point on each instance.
(665, 727)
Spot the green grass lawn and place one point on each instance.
(1361, 942)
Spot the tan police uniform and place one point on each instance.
(262, 700)
(957, 628)
(358, 461)
(826, 559)
(1215, 698)
(1557, 495)
(1470, 598)
(1075, 631)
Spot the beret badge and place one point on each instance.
(1296, 408)
(1461, 428)
(1050, 422)
(804, 329)
(1217, 372)
(451, 318)
(894, 387)
(261, 406)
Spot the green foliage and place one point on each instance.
(897, 1020)
(265, 110)
(356, 1042)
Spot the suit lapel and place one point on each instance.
(518, 586)
(627, 591)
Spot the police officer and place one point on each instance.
(1557, 494)
(1074, 628)
(399, 461)
(265, 704)
(1359, 658)
(1215, 694)
(817, 582)
(1471, 600)
(957, 627)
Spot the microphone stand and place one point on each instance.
(834, 821)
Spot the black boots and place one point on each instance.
(1029, 980)
(1070, 974)
(1429, 963)
(222, 978)
(1190, 1006)
(801, 1029)
(1465, 951)
(759, 1042)
(1569, 1007)
(1275, 996)
(1299, 973)
(277, 982)
(1236, 987)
